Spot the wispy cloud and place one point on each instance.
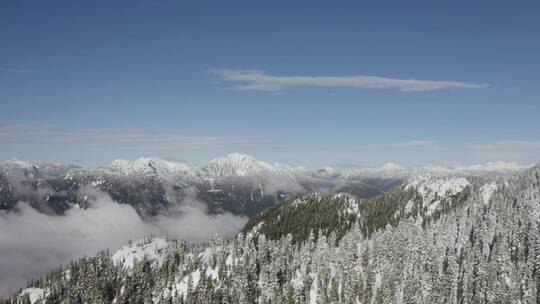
(254, 80)
(123, 137)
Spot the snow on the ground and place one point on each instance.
(229, 261)
(297, 282)
(409, 207)
(255, 230)
(430, 187)
(432, 207)
(35, 294)
(352, 208)
(433, 189)
(183, 287)
(313, 292)
(351, 203)
(213, 273)
(487, 191)
(152, 249)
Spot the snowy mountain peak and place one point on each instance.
(148, 165)
(392, 167)
(236, 164)
(21, 169)
(20, 163)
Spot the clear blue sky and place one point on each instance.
(91, 81)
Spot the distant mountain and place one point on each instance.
(433, 239)
(235, 183)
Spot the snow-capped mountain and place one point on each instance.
(147, 165)
(235, 183)
(236, 164)
(21, 169)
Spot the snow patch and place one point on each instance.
(409, 206)
(297, 282)
(184, 286)
(35, 294)
(433, 207)
(487, 191)
(153, 250)
(313, 291)
(430, 187)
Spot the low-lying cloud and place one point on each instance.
(254, 80)
(32, 243)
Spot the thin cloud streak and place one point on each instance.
(53, 133)
(254, 80)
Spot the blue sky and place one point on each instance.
(92, 81)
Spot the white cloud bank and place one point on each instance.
(255, 80)
(32, 243)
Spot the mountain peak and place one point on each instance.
(20, 163)
(147, 165)
(328, 171)
(236, 164)
(236, 157)
(392, 167)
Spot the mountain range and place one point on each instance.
(234, 183)
(432, 239)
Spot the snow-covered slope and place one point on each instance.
(431, 187)
(434, 191)
(35, 295)
(152, 249)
